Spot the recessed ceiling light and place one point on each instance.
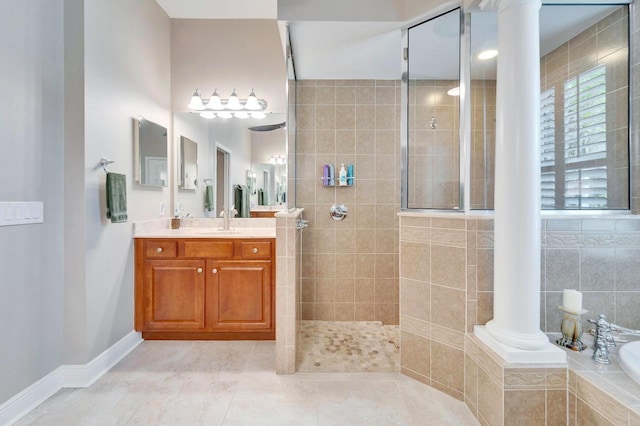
(454, 92)
(487, 54)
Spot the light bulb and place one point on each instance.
(258, 115)
(487, 54)
(225, 114)
(234, 102)
(454, 92)
(214, 101)
(252, 102)
(207, 114)
(241, 114)
(196, 101)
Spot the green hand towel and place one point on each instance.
(208, 198)
(116, 197)
(241, 200)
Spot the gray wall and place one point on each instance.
(31, 142)
(70, 95)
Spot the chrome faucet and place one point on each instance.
(226, 215)
(604, 338)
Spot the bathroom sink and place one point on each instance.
(629, 357)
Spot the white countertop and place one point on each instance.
(200, 232)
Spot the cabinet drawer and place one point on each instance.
(216, 249)
(255, 250)
(160, 249)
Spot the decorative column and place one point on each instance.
(516, 308)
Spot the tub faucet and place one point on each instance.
(604, 338)
(226, 215)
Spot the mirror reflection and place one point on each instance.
(239, 160)
(584, 160)
(150, 140)
(188, 161)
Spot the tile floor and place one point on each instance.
(348, 346)
(233, 383)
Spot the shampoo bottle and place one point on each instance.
(343, 176)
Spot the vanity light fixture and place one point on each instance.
(487, 54)
(228, 108)
(276, 159)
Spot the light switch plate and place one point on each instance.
(21, 212)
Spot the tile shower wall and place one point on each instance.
(433, 289)
(349, 268)
(600, 257)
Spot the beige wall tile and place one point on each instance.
(385, 313)
(325, 311)
(586, 415)
(490, 399)
(556, 413)
(524, 408)
(364, 312)
(415, 300)
(601, 401)
(415, 353)
(448, 307)
(414, 261)
(471, 382)
(447, 366)
(524, 378)
(448, 266)
(345, 312)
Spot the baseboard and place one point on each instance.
(66, 376)
(83, 376)
(17, 407)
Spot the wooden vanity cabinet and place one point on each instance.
(205, 289)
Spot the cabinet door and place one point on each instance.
(241, 295)
(174, 293)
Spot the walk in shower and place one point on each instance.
(425, 143)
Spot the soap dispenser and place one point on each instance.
(342, 176)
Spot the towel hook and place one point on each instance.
(103, 163)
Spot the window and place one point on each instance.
(580, 175)
(585, 139)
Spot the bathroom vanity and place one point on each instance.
(205, 284)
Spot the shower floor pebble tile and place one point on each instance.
(348, 346)
(234, 383)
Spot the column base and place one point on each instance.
(547, 354)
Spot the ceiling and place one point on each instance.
(350, 48)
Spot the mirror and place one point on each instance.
(584, 161)
(150, 144)
(188, 164)
(227, 153)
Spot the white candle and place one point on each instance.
(572, 300)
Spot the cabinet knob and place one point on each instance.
(199, 270)
(159, 249)
(214, 270)
(255, 249)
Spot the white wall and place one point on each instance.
(195, 128)
(127, 74)
(31, 169)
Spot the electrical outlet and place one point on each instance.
(161, 209)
